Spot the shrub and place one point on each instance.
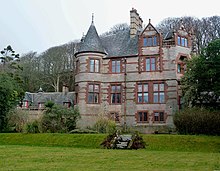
(197, 121)
(59, 119)
(83, 131)
(105, 125)
(32, 127)
(16, 120)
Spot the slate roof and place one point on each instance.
(120, 44)
(42, 97)
(91, 42)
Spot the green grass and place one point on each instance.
(82, 152)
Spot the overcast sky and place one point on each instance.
(36, 25)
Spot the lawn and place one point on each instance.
(82, 152)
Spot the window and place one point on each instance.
(158, 93)
(150, 41)
(116, 66)
(94, 65)
(41, 105)
(93, 93)
(116, 94)
(151, 64)
(159, 117)
(115, 116)
(142, 116)
(182, 41)
(181, 66)
(142, 94)
(66, 104)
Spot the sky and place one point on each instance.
(36, 25)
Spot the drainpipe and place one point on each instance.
(125, 81)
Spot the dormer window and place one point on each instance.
(182, 41)
(150, 41)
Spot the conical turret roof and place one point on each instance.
(91, 42)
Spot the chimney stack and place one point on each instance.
(135, 23)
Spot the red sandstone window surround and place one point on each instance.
(115, 94)
(94, 65)
(93, 93)
(159, 117)
(182, 41)
(142, 93)
(150, 92)
(142, 116)
(116, 66)
(181, 65)
(158, 93)
(150, 64)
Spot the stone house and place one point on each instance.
(133, 78)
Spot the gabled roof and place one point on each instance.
(149, 24)
(91, 42)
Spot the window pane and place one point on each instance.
(155, 97)
(96, 97)
(118, 98)
(148, 64)
(113, 88)
(186, 42)
(140, 88)
(179, 40)
(91, 65)
(183, 42)
(155, 87)
(153, 64)
(113, 66)
(145, 97)
(90, 88)
(178, 68)
(140, 116)
(153, 67)
(155, 40)
(156, 116)
(145, 116)
(96, 88)
(96, 65)
(118, 66)
(161, 87)
(149, 41)
(90, 98)
(118, 88)
(161, 116)
(113, 98)
(145, 87)
(145, 42)
(162, 97)
(139, 97)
